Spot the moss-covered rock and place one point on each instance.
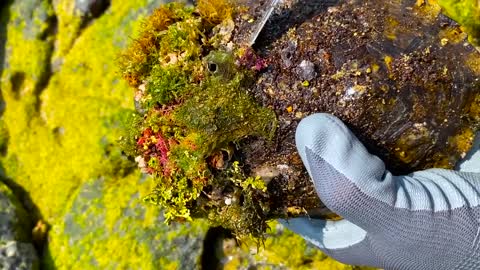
(16, 248)
(106, 226)
(282, 250)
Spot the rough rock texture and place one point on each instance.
(61, 107)
(106, 226)
(16, 249)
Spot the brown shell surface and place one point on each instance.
(398, 73)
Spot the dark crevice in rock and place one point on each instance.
(42, 83)
(52, 28)
(94, 8)
(212, 254)
(26, 201)
(91, 10)
(16, 80)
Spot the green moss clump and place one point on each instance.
(192, 103)
(161, 43)
(467, 14)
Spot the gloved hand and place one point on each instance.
(425, 220)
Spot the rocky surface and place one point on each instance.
(106, 226)
(61, 110)
(16, 249)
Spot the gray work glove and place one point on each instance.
(425, 220)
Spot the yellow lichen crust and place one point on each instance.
(107, 216)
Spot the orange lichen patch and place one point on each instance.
(441, 161)
(215, 11)
(388, 62)
(475, 108)
(134, 61)
(160, 19)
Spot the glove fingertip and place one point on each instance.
(312, 130)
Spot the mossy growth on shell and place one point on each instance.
(192, 108)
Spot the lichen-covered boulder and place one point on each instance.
(106, 226)
(16, 249)
(61, 130)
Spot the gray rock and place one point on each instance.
(306, 70)
(18, 256)
(16, 249)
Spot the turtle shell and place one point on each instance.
(398, 73)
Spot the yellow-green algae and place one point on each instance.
(69, 23)
(467, 14)
(62, 146)
(106, 226)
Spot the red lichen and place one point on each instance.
(250, 60)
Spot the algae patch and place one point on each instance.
(467, 14)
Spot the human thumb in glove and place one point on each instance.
(425, 220)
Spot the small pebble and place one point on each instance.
(306, 70)
(12, 250)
